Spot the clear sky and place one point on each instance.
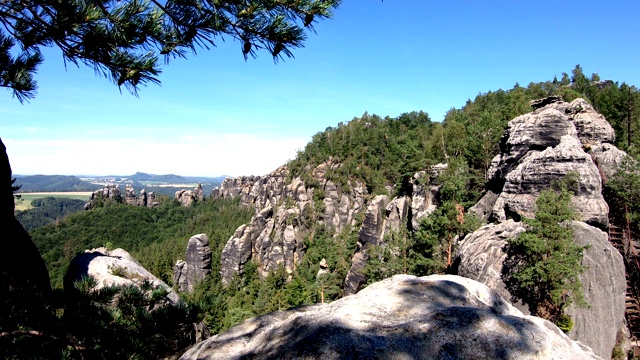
(216, 114)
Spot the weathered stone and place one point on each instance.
(197, 265)
(607, 157)
(130, 195)
(370, 234)
(324, 268)
(113, 267)
(604, 289)
(592, 127)
(538, 169)
(142, 198)
(481, 257)
(180, 275)
(534, 131)
(152, 199)
(110, 193)
(404, 317)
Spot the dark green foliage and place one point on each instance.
(47, 210)
(127, 322)
(544, 262)
(622, 193)
(49, 183)
(370, 149)
(124, 40)
(155, 236)
(430, 248)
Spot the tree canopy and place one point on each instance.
(124, 40)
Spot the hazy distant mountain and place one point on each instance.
(168, 178)
(44, 183)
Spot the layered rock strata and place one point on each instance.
(546, 145)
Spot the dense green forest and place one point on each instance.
(48, 183)
(156, 236)
(381, 152)
(48, 210)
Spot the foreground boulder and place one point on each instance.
(113, 267)
(403, 317)
(482, 258)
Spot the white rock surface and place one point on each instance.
(403, 317)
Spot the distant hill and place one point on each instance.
(213, 181)
(168, 178)
(49, 183)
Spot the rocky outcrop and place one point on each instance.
(197, 265)
(370, 234)
(110, 193)
(482, 258)
(543, 146)
(434, 317)
(113, 267)
(130, 195)
(288, 209)
(607, 158)
(190, 197)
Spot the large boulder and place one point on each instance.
(197, 264)
(113, 267)
(482, 258)
(404, 317)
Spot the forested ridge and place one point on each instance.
(381, 152)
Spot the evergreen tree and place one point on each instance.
(124, 40)
(544, 262)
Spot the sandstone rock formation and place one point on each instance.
(130, 195)
(197, 265)
(113, 267)
(404, 317)
(543, 146)
(110, 193)
(482, 257)
(286, 210)
(536, 149)
(189, 197)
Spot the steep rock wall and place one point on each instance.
(287, 211)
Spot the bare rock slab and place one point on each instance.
(403, 317)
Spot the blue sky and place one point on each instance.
(216, 114)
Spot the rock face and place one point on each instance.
(287, 210)
(197, 265)
(189, 197)
(112, 193)
(113, 267)
(404, 317)
(482, 257)
(536, 149)
(23, 273)
(543, 146)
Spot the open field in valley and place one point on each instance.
(26, 198)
